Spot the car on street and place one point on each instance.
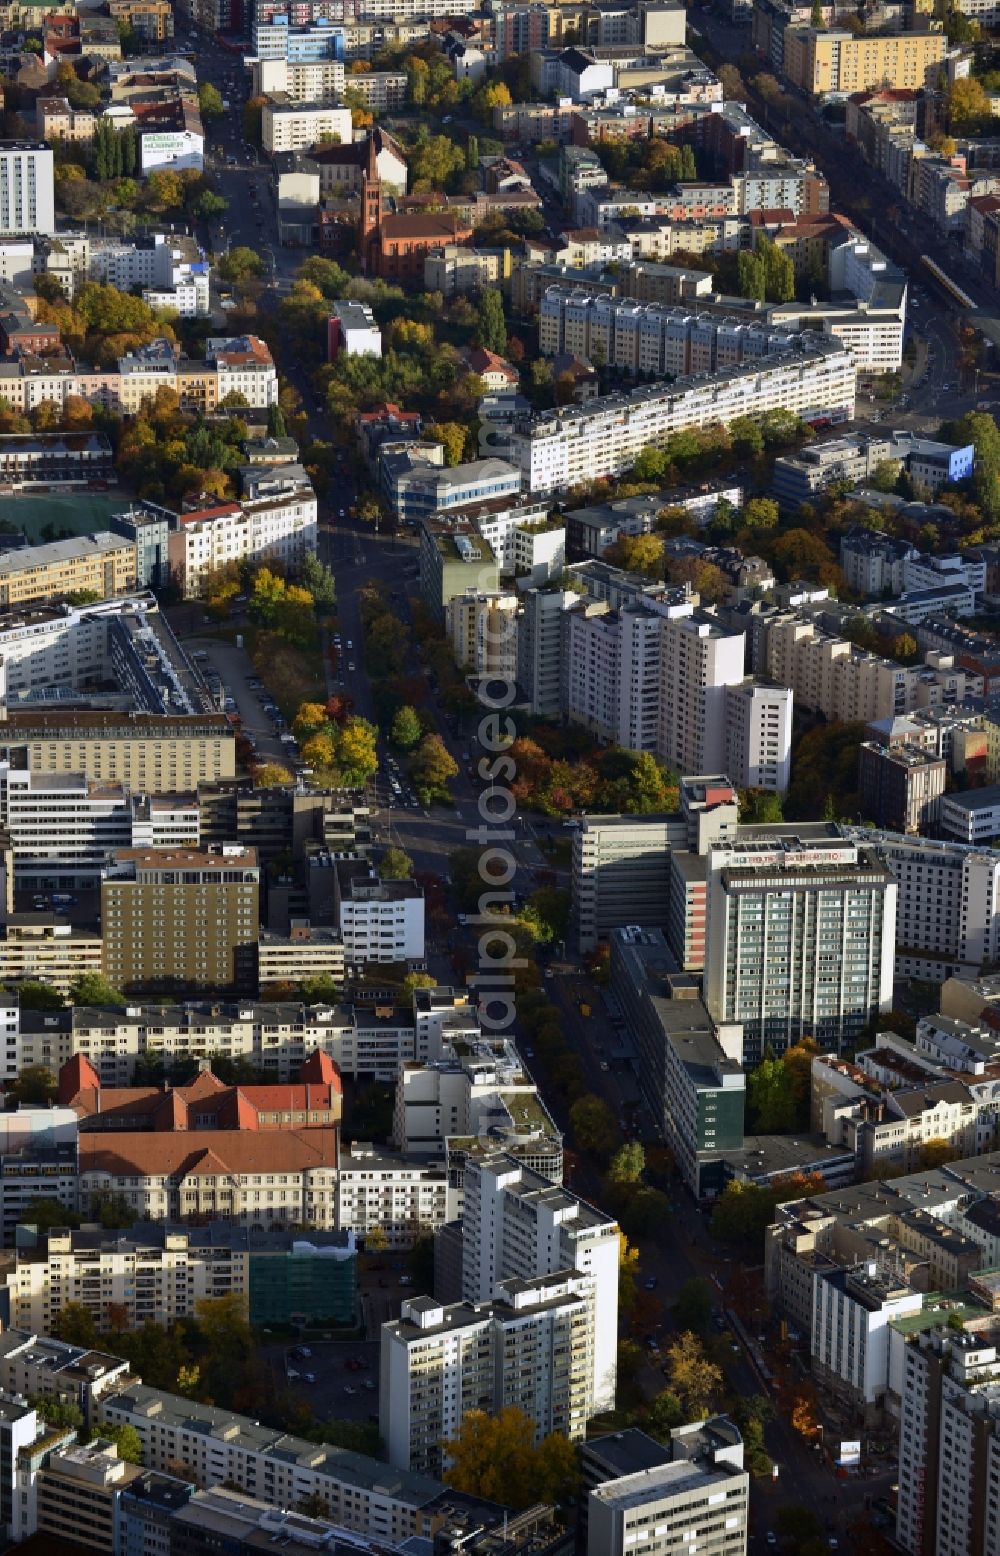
(652, 1283)
(771, 1537)
(349, 1389)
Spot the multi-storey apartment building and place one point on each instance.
(820, 61)
(27, 202)
(949, 1443)
(560, 448)
(222, 1447)
(529, 1347)
(518, 1225)
(482, 632)
(947, 905)
(103, 564)
(361, 1040)
(800, 938)
(181, 917)
(475, 1097)
(295, 126)
(279, 528)
(701, 659)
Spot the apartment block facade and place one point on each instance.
(558, 449)
(529, 1348)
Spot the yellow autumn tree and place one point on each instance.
(496, 1457)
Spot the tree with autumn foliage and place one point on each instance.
(695, 1379)
(495, 1456)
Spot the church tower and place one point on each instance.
(371, 211)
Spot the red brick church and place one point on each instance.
(394, 247)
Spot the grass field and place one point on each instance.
(79, 512)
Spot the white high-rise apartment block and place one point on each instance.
(759, 735)
(948, 906)
(381, 921)
(612, 663)
(27, 201)
(800, 937)
(482, 631)
(652, 338)
(949, 1444)
(540, 648)
(563, 447)
(701, 659)
(518, 1225)
(530, 1348)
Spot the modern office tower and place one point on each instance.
(27, 202)
(700, 660)
(518, 1225)
(689, 1071)
(800, 939)
(697, 1500)
(182, 917)
(621, 872)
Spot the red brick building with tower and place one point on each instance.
(394, 247)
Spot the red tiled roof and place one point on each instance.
(238, 1152)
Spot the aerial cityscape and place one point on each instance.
(500, 777)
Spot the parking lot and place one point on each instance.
(338, 1378)
(249, 699)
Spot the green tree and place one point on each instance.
(239, 264)
(693, 1307)
(395, 865)
(45, 1213)
(35, 1084)
(75, 1325)
(472, 153)
(593, 1126)
(357, 755)
(276, 422)
(546, 914)
(406, 729)
(628, 1163)
(94, 989)
(695, 1379)
(210, 101)
(57, 1412)
(772, 1099)
(760, 807)
(761, 513)
(453, 435)
(491, 327)
(665, 1412)
(126, 1439)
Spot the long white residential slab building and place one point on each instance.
(806, 375)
